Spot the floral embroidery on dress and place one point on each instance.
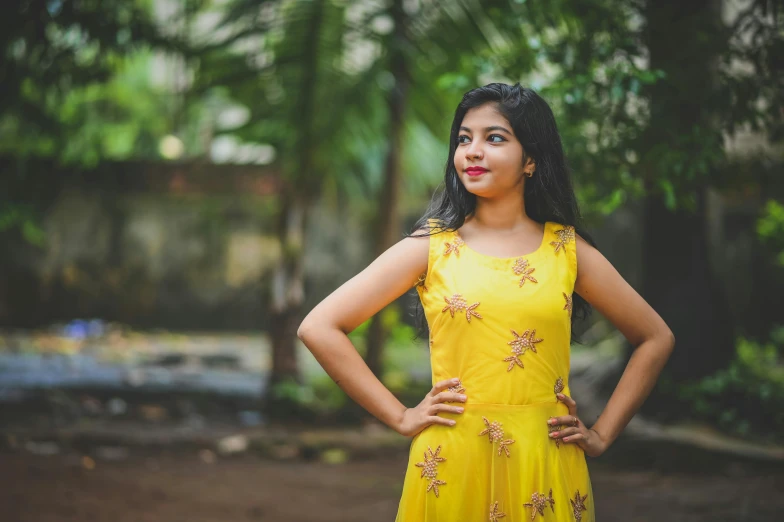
(495, 515)
(421, 282)
(454, 246)
(565, 236)
(568, 305)
(520, 344)
(521, 268)
(578, 506)
(558, 388)
(456, 303)
(430, 469)
(495, 432)
(539, 502)
(457, 388)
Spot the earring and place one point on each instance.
(530, 174)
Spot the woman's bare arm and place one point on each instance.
(325, 332)
(599, 283)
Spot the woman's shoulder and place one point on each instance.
(432, 228)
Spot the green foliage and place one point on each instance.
(619, 118)
(78, 88)
(406, 372)
(754, 89)
(50, 50)
(744, 399)
(120, 119)
(320, 395)
(400, 333)
(588, 66)
(770, 228)
(19, 216)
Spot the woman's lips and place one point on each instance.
(475, 171)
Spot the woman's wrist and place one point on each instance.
(397, 423)
(603, 440)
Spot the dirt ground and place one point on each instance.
(181, 487)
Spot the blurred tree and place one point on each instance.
(387, 221)
(61, 98)
(681, 151)
(332, 88)
(50, 49)
(70, 71)
(284, 62)
(644, 91)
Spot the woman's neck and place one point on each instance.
(505, 214)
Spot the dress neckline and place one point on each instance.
(505, 260)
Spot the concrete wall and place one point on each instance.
(191, 247)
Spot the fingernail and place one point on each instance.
(455, 381)
(462, 396)
(554, 434)
(452, 423)
(560, 395)
(551, 421)
(460, 410)
(566, 438)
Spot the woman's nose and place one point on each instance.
(474, 151)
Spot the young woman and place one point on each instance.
(502, 269)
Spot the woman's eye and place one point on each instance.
(500, 138)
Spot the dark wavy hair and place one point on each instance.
(548, 195)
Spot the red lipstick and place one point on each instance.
(475, 171)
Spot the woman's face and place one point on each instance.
(488, 157)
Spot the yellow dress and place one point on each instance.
(502, 325)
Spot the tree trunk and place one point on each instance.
(679, 284)
(677, 279)
(387, 225)
(287, 295)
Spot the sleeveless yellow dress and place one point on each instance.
(502, 325)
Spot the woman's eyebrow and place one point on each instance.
(488, 129)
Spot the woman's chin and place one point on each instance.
(474, 183)
(480, 192)
(488, 190)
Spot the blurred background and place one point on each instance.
(182, 180)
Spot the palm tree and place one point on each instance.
(303, 101)
(429, 55)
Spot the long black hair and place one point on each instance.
(548, 195)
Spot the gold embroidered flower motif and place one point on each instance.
(519, 345)
(521, 268)
(457, 388)
(539, 503)
(565, 236)
(470, 311)
(495, 432)
(578, 506)
(456, 303)
(568, 305)
(551, 429)
(558, 388)
(454, 246)
(421, 282)
(495, 515)
(430, 469)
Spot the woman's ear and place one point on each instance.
(529, 166)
